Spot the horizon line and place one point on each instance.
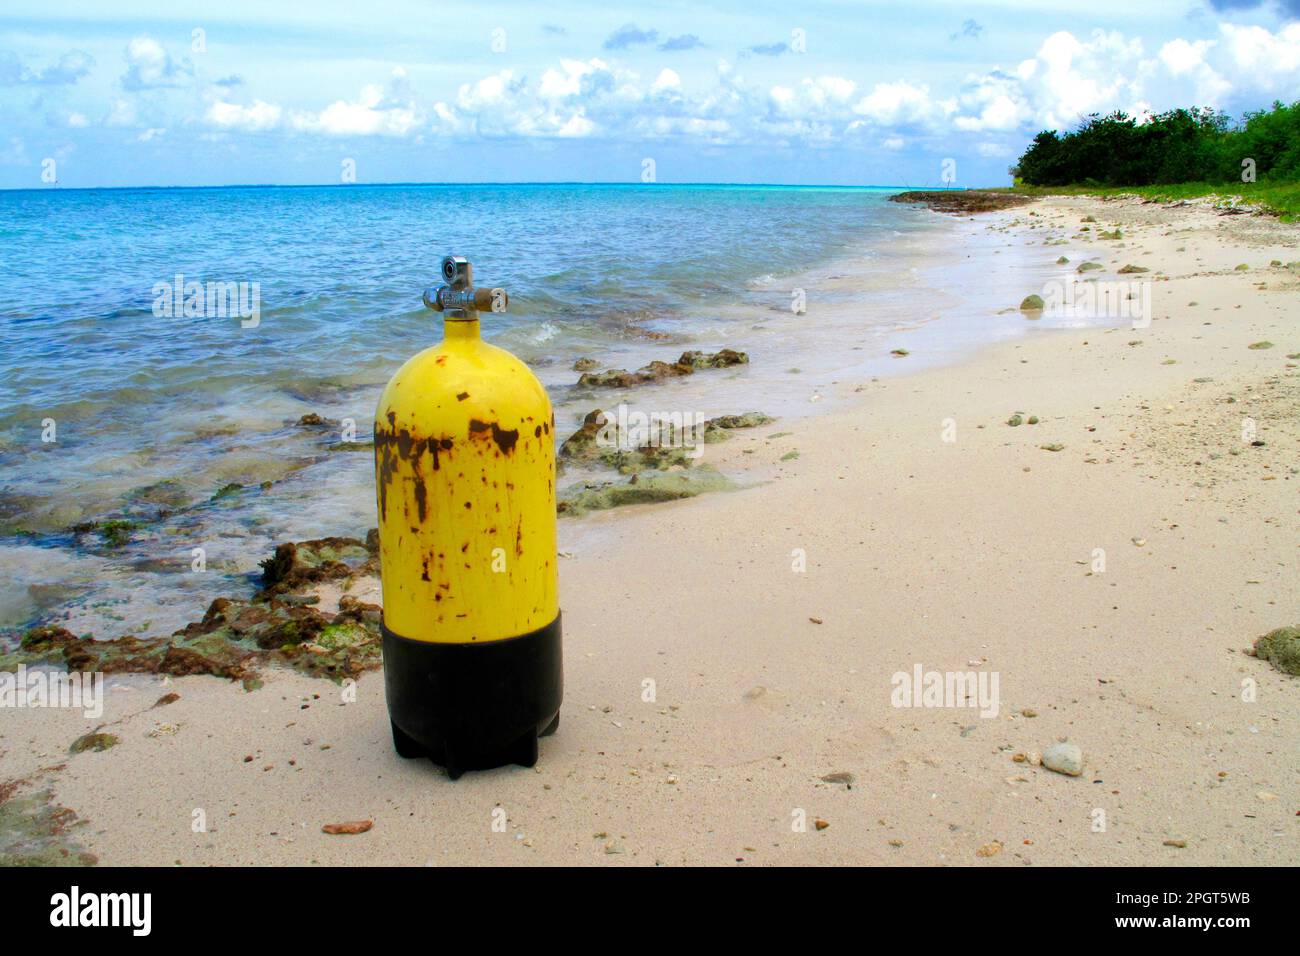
(55, 187)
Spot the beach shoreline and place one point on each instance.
(733, 672)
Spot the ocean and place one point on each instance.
(119, 403)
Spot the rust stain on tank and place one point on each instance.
(505, 438)
(394, 445)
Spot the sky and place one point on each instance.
(138, 92)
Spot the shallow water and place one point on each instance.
(161, 411)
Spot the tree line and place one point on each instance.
(1180, 146)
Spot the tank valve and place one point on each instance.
(458, 299)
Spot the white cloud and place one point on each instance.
(666, 80)
(257, 117)
(369, 115)
(898, 103)
(1181, 57)
(150, 66)
(1266, 56)
(1066, 78)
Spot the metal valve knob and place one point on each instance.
(458, 299)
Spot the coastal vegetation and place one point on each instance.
(1177, 155)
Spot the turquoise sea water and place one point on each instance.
(160, 411)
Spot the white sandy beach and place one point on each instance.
(972, 554)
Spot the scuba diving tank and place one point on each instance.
(465, 482)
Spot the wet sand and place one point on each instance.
(973, 554)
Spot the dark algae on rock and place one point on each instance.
(687, 364)
(1281, 648)
(237, 636)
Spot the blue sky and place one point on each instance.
(170, 93)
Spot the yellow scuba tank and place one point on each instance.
(465, 481)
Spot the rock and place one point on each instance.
(1281, 648)
(723, 358)
(1062, 261)
(961, 202)
(1054, 446)
(820, 824)
(168, 494)
(644, 489)
(1260, 345)
(95, 742)
(297, 564)
(1064, 758)
(1015, 421)
(841, 777)
(1031, 303)
(657, 371)
(166, 699)
(989, 849)
(113, 532)
(312, 420)
(582, 444)
(234, 637)
(720, 428)
(585, 365)
(1131, 270)
(352, 826)
(1089, 267)
(1180, 844)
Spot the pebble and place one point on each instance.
(351, 826)
(1064, 758)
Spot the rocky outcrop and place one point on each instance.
(657, 371)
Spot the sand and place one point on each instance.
(975, 554)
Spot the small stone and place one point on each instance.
(820, 824)
(1064, 758)
(1180, 844)
(351, 826)
(93, 742)
(842, 777)
(989, 849)
(1028, 712)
